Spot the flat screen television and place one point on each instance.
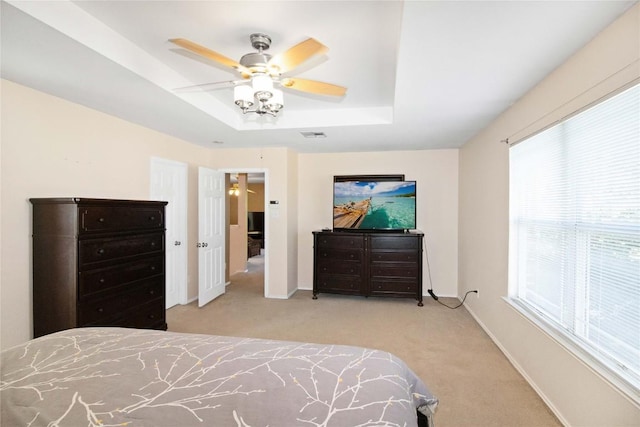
(374, 204)
(255, 221)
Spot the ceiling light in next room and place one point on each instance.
(313, 134)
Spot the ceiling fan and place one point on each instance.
(264, 71)
(235, 190)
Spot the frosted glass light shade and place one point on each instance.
(262, 87)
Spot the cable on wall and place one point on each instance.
(430, 290)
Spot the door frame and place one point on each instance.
(266, 216)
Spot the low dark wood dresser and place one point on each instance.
(368, 263)
(98, 262)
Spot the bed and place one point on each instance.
(134, 377)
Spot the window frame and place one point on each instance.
(607, 369)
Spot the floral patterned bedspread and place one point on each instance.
(130, 377)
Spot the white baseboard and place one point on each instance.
(518, 368)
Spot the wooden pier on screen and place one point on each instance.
(350, 215)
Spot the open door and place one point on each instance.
(169, 183)
(211, 235)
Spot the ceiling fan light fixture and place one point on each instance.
(262, 87)
(234, 190)
(276, 102)
(260, 93)
(264, 71)
(243, 96)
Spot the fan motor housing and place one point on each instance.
(255, 61)
(260, 41)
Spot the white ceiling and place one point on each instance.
(420, 74)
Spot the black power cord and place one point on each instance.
(461, 302)
(430, 290)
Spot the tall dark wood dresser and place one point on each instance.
(98, 262)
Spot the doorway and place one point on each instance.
(248, 223)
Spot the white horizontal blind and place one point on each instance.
(575, 230)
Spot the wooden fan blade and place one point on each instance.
(209, 54)
(313, 86)
(296, 55)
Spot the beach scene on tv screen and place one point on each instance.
(374, 205)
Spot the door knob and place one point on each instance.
(177, 243)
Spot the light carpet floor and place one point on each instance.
(475, 383)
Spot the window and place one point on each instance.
(574, 256)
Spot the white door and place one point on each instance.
(169, 183)
(211, 235)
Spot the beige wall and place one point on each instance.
(578, 395)
(238, 231)
(291, 207)
(436, 173)
(53, 148)
(256, 199)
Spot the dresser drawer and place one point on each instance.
(120, 218)
(394, 270)
(393, 242)
(340, 241)
(333, 266)
(396, 256)
(103, 279)
(107, 310)
(97, 250)
(339, 254)
(338, 283)
(148, 316)
(383, 287)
